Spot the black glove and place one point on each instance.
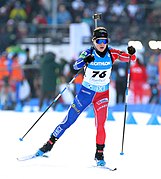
(89, 59)
(131, 50)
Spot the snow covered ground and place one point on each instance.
(72, 156)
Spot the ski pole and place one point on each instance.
(125, 109)
(56, 98)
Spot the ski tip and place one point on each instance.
(20, 139)
(122, 153)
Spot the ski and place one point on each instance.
(29, 157)
(104, 167)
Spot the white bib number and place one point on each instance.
(97, 77)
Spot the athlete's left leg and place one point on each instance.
(100, 103)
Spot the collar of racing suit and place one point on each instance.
(101, 54)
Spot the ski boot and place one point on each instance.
(99, 157)
(47, 146)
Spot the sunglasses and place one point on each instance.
(104, 41)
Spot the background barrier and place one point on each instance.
(152, 109)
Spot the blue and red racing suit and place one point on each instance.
(95, 90)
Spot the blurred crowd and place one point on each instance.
(145, 79)
(134, 19)
(43, 77)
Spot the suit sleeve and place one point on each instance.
(79, 63)
(122, 56)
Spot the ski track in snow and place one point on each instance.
(73, 154)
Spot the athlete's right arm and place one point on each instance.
(79, 63)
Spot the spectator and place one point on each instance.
(3, 66)
(4, 85)
(77, 13)
(16, 77)
(22, 29)
(49, 73)
(40, 19)
(29, 73)
(153, 78)
(87, 18)
(102, 6)
(117, 8)
(120, 81)
(28, 9)
(63, 15)
(132, 9)
(8, 35)
(18, 13)
(3, 16)
(77, 4)
(138, 78)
